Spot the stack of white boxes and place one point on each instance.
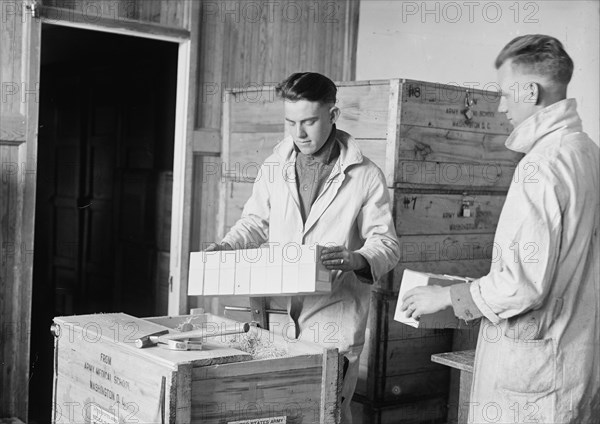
(271, 271)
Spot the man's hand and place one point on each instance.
(213, 247)
(426, 300)
(340, 258)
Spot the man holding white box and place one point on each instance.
(318, 188)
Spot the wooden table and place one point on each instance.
(462, 361)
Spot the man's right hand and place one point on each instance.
(213, 247)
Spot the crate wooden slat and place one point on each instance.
(99, 371)
(439, 213)
(441, 144)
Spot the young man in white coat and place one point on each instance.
(537, 357)
(318, 188)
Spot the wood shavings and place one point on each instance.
(251, 342)
(189, 324)
(256, 346)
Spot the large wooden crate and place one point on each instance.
(100, 377)
(447, 176)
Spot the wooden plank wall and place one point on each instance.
(252, 44)
(246, 45)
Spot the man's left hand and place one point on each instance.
(340, 258)
(426, 300)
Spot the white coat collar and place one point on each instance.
(562, 114)
(350, 153)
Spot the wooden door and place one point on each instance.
(97, 196)
(58, 195)
(98, 173)
(104, 138)
(141, 116)
(19, 76)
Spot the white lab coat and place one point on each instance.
(352, 210)
(538, 351)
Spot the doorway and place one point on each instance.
(104, 174)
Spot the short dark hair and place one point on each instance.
(540, 54)
(309, 86)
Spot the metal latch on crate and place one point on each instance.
(466, 207)
(468, 105)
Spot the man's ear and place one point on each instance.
(533, 95)
(334, 114)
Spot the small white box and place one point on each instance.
(312, 274)
(439, 320)
(196, 275)
(258, 276)
(243, 270)
(274, 270)
(291, 256)
(212, 265)
(227, 272)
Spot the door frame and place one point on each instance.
(185, 112)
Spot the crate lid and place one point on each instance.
(121, 330)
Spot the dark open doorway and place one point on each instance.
(105, 161)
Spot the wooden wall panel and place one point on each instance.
(207, 175)
(252, 44)
(9, 320)
(19, 76)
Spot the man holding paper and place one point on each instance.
(318, 188)
(537, 352)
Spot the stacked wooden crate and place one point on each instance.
(441, 148)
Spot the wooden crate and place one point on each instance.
(395, 364)
(99, 373)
